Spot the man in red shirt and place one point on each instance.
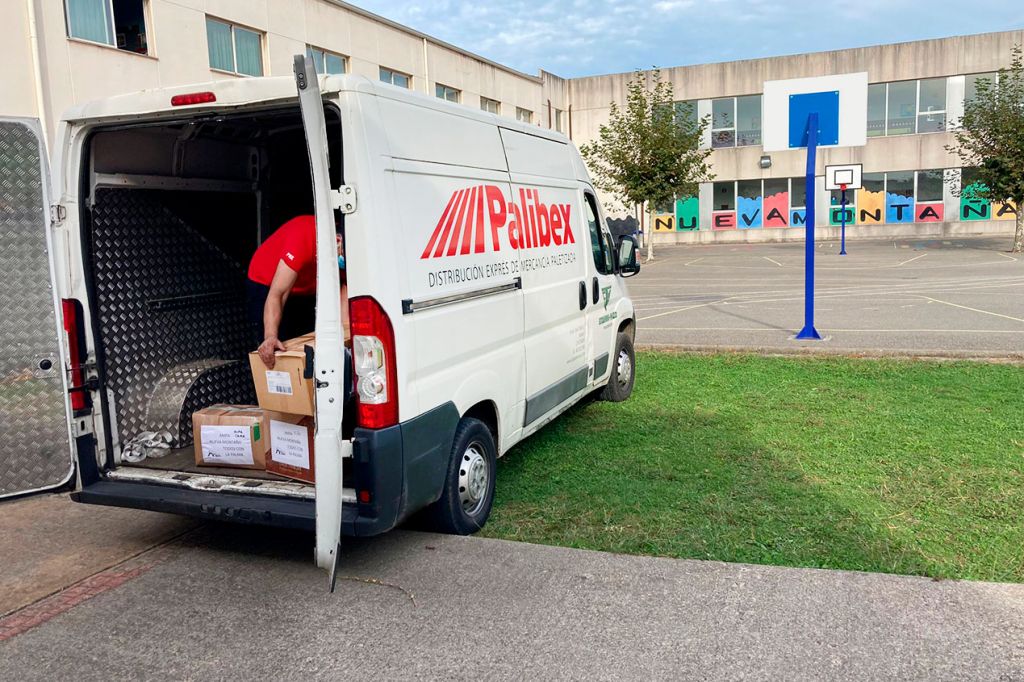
(282, 285)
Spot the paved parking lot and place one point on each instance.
(929, 297)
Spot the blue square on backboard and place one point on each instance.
(826, 104)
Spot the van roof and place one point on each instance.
(243, 92)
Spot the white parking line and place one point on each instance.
(773, 261)
(679, 310)
(976, 310)
(913, 259)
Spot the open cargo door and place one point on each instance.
(329, 362)
(34, 426)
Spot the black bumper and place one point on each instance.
(205, 504)
(401, 467)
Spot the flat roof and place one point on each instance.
(796, 54)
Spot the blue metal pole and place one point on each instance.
(809, 332)
(842, 249)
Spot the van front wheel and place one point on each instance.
(620, 383)
(468, 492)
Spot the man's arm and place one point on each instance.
(280, 287)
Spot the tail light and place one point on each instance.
(373, 358)
(193, 98)
(72, 314)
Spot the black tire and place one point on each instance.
(620, 383)
(468, 492)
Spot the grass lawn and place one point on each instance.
(875, 465)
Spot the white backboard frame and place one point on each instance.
(849, 174)
(853, 108)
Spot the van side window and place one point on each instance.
(602, 256)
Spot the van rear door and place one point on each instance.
(34, 424)
(329, 364)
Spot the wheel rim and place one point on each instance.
(474, 477)
(624, 369)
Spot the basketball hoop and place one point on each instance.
(842, 187)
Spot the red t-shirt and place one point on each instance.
(295, 244)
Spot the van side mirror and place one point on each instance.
(628, 263)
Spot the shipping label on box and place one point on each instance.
(279, 383)
(291, 447)
(230, 445)
(289, 444)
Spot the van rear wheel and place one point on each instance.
(620, 383)
(468, 492)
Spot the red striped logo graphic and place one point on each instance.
(529, 224)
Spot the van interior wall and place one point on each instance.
(168, 266)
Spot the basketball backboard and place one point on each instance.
(840, 101)
(843, 177)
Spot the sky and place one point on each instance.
(586, 37)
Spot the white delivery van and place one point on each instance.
(486, 294)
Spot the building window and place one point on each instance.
(524, 115)
(971, 85)
(748, 120)
(876, 110)
(118, 23)
(327, 62)
(233, 48)
(931, 105)
(798, 193)
(907, 107)
(723, 123)
(448, 93)
(559, 120)
(395, 78)
(901, 108)
(735, 121)
(724, 196)
(686, 112)
(929, 186)
(491, 106)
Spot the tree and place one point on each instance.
(648, 153)
(990, 136)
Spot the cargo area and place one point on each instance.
(175, 210)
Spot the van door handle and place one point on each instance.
(583, 295)
(597, 297)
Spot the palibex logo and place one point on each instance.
(529, 224)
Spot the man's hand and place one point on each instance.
(270, 345)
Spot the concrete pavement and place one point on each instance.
(958, 297)
(47, 542)
(230, 602)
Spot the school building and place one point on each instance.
(61, 53)
(911, 183)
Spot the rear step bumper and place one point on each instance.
(253, 509)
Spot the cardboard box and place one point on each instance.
(232, 436)
(284, 389)
(291, 447)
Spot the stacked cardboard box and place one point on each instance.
(287, 390)
(277, 435)
(286, 387)
(232, 436)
